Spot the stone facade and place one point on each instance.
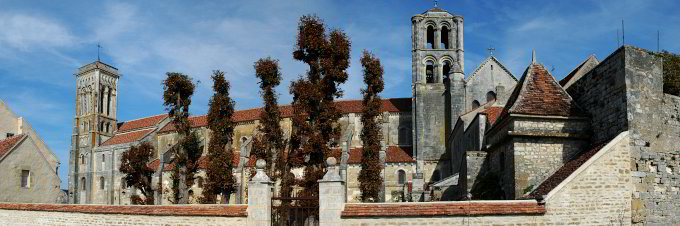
(28, 165)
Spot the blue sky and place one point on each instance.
(42, 43)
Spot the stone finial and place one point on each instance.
(332, 170)
(533, 56)
(260, 175)
(260, 164)
(331, 162)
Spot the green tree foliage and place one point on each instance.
(178, 89)
(370, 181)
(671, 72)
(314, 112)
(220, 180)
(269, 143)
(137, 173)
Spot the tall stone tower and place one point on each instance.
(437, 62)
(94, 122)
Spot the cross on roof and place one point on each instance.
(491, 50)
(435, 3)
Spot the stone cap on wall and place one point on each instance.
(163, 210)
(462, 208)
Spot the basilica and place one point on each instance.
(484, 134)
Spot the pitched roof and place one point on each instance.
(202, 162)
(7, 144)
(121, 138)
(141, 123)
(395, 154)
(563, 172)
(492, 113)
(487, 60)
(537, 93)
(579, 71)
(345, 106)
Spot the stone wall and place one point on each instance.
(624, 92)
(43, 186)
(43, 214)
(596, 193)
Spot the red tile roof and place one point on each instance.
(345, 106)
(537, 93)
(141, 123)
(202, 162)
(492, 113)
(121, 138)
(564, 172)
(166, 210)
(395, 154)
(441, 209)
(8, 143)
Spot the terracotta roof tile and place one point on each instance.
(492, 113)
(441, 209)
(567, 169)
(345, 106)
(537, 93)
(166, 210)
(128, 137)
(141, 123)
(202, 162)
(8, 143)
(395, 154)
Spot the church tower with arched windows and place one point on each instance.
(94, 122)
(438, 89)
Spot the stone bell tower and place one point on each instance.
(438, 90)
(94, 122)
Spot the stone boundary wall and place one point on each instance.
(597, 193)
(69, 214)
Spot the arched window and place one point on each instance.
(83, 181)
(475, 104)
(401, 174)
(101, 127)
(445, 38)
(447, 69)
(108, 103)
(82, 159)
(429, 72)
(430, 38)
(200, 182)
(102, 183)
(108, 127)
(490, 96)
(436, 176)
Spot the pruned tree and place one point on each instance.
(269, 144)
(314, 112)
(134, 164)
(178, 89)
(370, 180)
(220, 180)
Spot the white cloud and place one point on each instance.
(26, 32)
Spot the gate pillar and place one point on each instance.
(331, 195)
(259, 196)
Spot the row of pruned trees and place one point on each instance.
(314, 124)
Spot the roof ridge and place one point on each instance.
(479, 67)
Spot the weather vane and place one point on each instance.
(435, 3)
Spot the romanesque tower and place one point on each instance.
(437, 62)
(94, 122)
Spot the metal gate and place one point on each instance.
(295, 211)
